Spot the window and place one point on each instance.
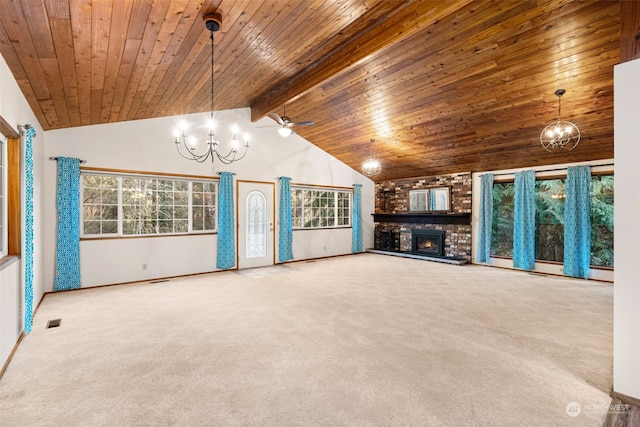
(3, 198)
(320, 208)
(126, 205)
(549, 227)
(502, 219)
(602, 220)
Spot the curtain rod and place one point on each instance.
(550, 170)
(55, 158)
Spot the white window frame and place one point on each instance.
(120, 217)
(335, 191)
(4, 225)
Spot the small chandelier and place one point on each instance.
(371, 167)
(186, 144)
(560, 135)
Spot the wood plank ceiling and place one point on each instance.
(443, 87)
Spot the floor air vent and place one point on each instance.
(54, 323)
(159, 281)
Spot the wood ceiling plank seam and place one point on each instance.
(184, 27)
(148, 42)
(345, 34)
(196, 70)
(259, 68)
(80, 15)
(163, 41)
(354, 53)
(62, 36)
(139, 17)
(193, 48)
(13, 22)
(11, 58)
(100, 31)
(372, 13)
(120, 17)
(129, 55)
(234, 55)
(260, 40)
(182, 97)
(321, 34)
(35, 13)
(521, 51)
(238, 27)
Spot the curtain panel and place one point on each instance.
(577, 222)
(524, 214)
(68, 225)
(285, 232)
(28, 229)
(486, 216)
(226, 251)
(356, 220)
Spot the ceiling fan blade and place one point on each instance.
(277, 118)
(304, 123)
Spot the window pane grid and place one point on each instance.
(148, 206)
(311, 208)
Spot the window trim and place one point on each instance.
(120, 174)
(4, 189)
(336, 191)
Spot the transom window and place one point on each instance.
(126, 205)
(320, 208)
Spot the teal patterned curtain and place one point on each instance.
(524, 220)
(577, 222)
(226, 257)
(356, 220)
(486, 215)
(28, 229)
(68, 226)
(285, 232)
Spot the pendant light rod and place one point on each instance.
(185, 143)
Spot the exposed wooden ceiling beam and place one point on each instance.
(407, 19)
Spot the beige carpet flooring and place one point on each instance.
(363, 340)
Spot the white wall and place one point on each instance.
(540, 172)
(147, 145)
(626, 291)
(15, 110)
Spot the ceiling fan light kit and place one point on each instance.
(285, 124)
(186, 144)
(560, 135)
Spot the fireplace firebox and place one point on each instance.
(427, 242)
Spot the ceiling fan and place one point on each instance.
(285, 123)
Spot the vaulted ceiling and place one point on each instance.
(442, 86)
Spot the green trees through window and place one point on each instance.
(122, 205)
(549, 232)
(322, 208)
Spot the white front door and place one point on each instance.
(255, 224)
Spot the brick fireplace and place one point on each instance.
(395, 223)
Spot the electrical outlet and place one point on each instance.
(144, 266)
